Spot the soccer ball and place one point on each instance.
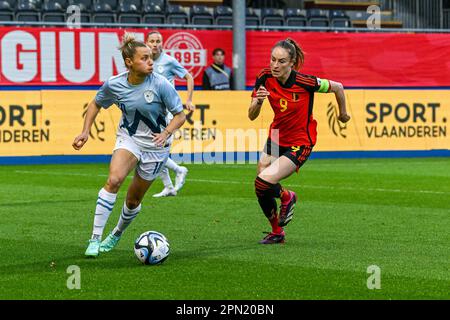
(151, 247)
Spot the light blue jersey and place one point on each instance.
(168, 67)
(144, 106)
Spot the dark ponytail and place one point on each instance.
(295, 51)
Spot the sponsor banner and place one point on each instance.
(46, 122)
(385, 120)
(59, 56)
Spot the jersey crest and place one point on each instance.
(149, 95)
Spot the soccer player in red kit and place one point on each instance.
(292, 133)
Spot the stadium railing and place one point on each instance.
(216, 27)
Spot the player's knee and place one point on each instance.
(261, 186)
(264, 188)
(261, 166)
(114, 182)
(267, 178)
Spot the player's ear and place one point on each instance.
(292, 63)
(128, 63)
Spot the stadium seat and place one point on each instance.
(37, 3)
(339, 19)
(85, 9)
(201, 16)
(153, 14)
(317, 18)
(128, 13)
(251, 18)
(357, 15)
(102, 13)
(6, 12)
(272, 17)
(27, 11)
(223, 15)
(85, 5)
(159, 3)
(112, 3)
(176, 15)
(64, 3)
(12, 4)
(295, 17)
(52, 11)
(52, 6)
(136, 3)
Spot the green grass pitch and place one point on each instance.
(392, 213)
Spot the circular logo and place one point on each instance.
(148, 95)
(188, 50)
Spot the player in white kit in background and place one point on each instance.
(170, 68)
(142, 141)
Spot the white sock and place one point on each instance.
(165, 177)
(126, 217)
(105, 205)
(172, 165)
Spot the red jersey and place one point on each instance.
(292, 104)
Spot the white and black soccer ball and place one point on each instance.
(151, 247)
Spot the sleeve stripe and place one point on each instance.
(263, 72)
(307, 81)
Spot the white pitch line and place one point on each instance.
(251, 183)
(328, 187)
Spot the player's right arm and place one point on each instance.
(103, 99)
(338, 89)
(257, 101)
(92, 111)
(258, 95)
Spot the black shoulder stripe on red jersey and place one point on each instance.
(306, 79)
(264, 71)
(306, 76)
(307, 87)
(261, 80)
(303, 82)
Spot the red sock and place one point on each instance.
(274, 223)
(285, 195)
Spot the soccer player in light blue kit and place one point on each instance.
(170, 68)
(145, 99)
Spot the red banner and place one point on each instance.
(362, 59)
(57, 56)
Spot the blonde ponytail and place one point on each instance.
(129, 45)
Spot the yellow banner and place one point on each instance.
(46, 122)
(385, 120)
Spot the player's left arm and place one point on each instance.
(190, 91)
(172, 101)
(338, 89)
(178, 120)
(181, 72)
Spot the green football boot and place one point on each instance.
(109, 243)
(93, 248)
